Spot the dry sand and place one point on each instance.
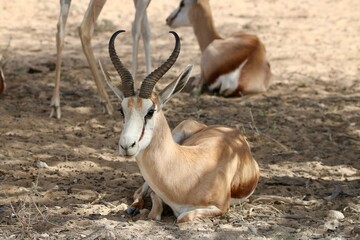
(304, 131)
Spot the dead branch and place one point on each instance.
(289, 200)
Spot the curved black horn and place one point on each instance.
(149, 82)
(125, 75)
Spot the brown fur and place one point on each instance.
(131, 102)
(237, 48)
(212, 165)
(201, 14)
(139, 103)
(224, 55)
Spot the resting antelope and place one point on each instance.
(86, 29)
(231, 66)
(196, 178)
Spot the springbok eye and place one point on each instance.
(121, 111)
(150, 114)
(182, 4)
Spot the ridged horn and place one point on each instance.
(125, 75)
(149, 82)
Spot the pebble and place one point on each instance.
(123, 206)
(40, 164)
(44, 235)
(253, 229)
(331, 225)
(335, 215)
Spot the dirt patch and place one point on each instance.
(65, 179)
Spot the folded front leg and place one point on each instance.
(138, 203)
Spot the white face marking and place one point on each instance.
(138, 126)
(179, 17)
(228, 83)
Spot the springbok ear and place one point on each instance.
(176, 86)
(107, 78)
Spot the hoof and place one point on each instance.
(132, 211)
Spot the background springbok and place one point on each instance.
(197, 178)
(231, 66)
(86, 29)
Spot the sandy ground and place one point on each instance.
(65, 179)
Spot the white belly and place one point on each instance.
(228, 83)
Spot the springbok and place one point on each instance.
(140, 27)
(196, 178)
(230, 66)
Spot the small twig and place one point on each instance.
(337, 191)
(39, 211)
(37, 208)
(334, 194)
(276, 210)
(285, 200)
(97, 200)
(352, 192)
(21, 217)
(295, 217)
(253, 125)
(285, 153)
(100, 199)
(285, 148)
(104, 232)
(17, 217)
(253, 122)
(35, 186)
(108, 204)
(240, 218)
(243, 223)
(329, 133)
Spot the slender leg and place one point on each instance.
(138, 203)
(86, 31)
(140, 6)
(60, 35)
(146, 34)
(157, 207)
(210, 211)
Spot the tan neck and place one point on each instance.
(160, 153)
(203, 24)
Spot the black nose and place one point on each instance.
(125, 148)
(168, 21)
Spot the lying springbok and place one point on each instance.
(140, 27)
(230, 66)
(196, 178)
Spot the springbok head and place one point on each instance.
(140, 109)
(180, 17)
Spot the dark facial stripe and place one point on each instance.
(142, 132)
(177, 13)
(145, 122)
